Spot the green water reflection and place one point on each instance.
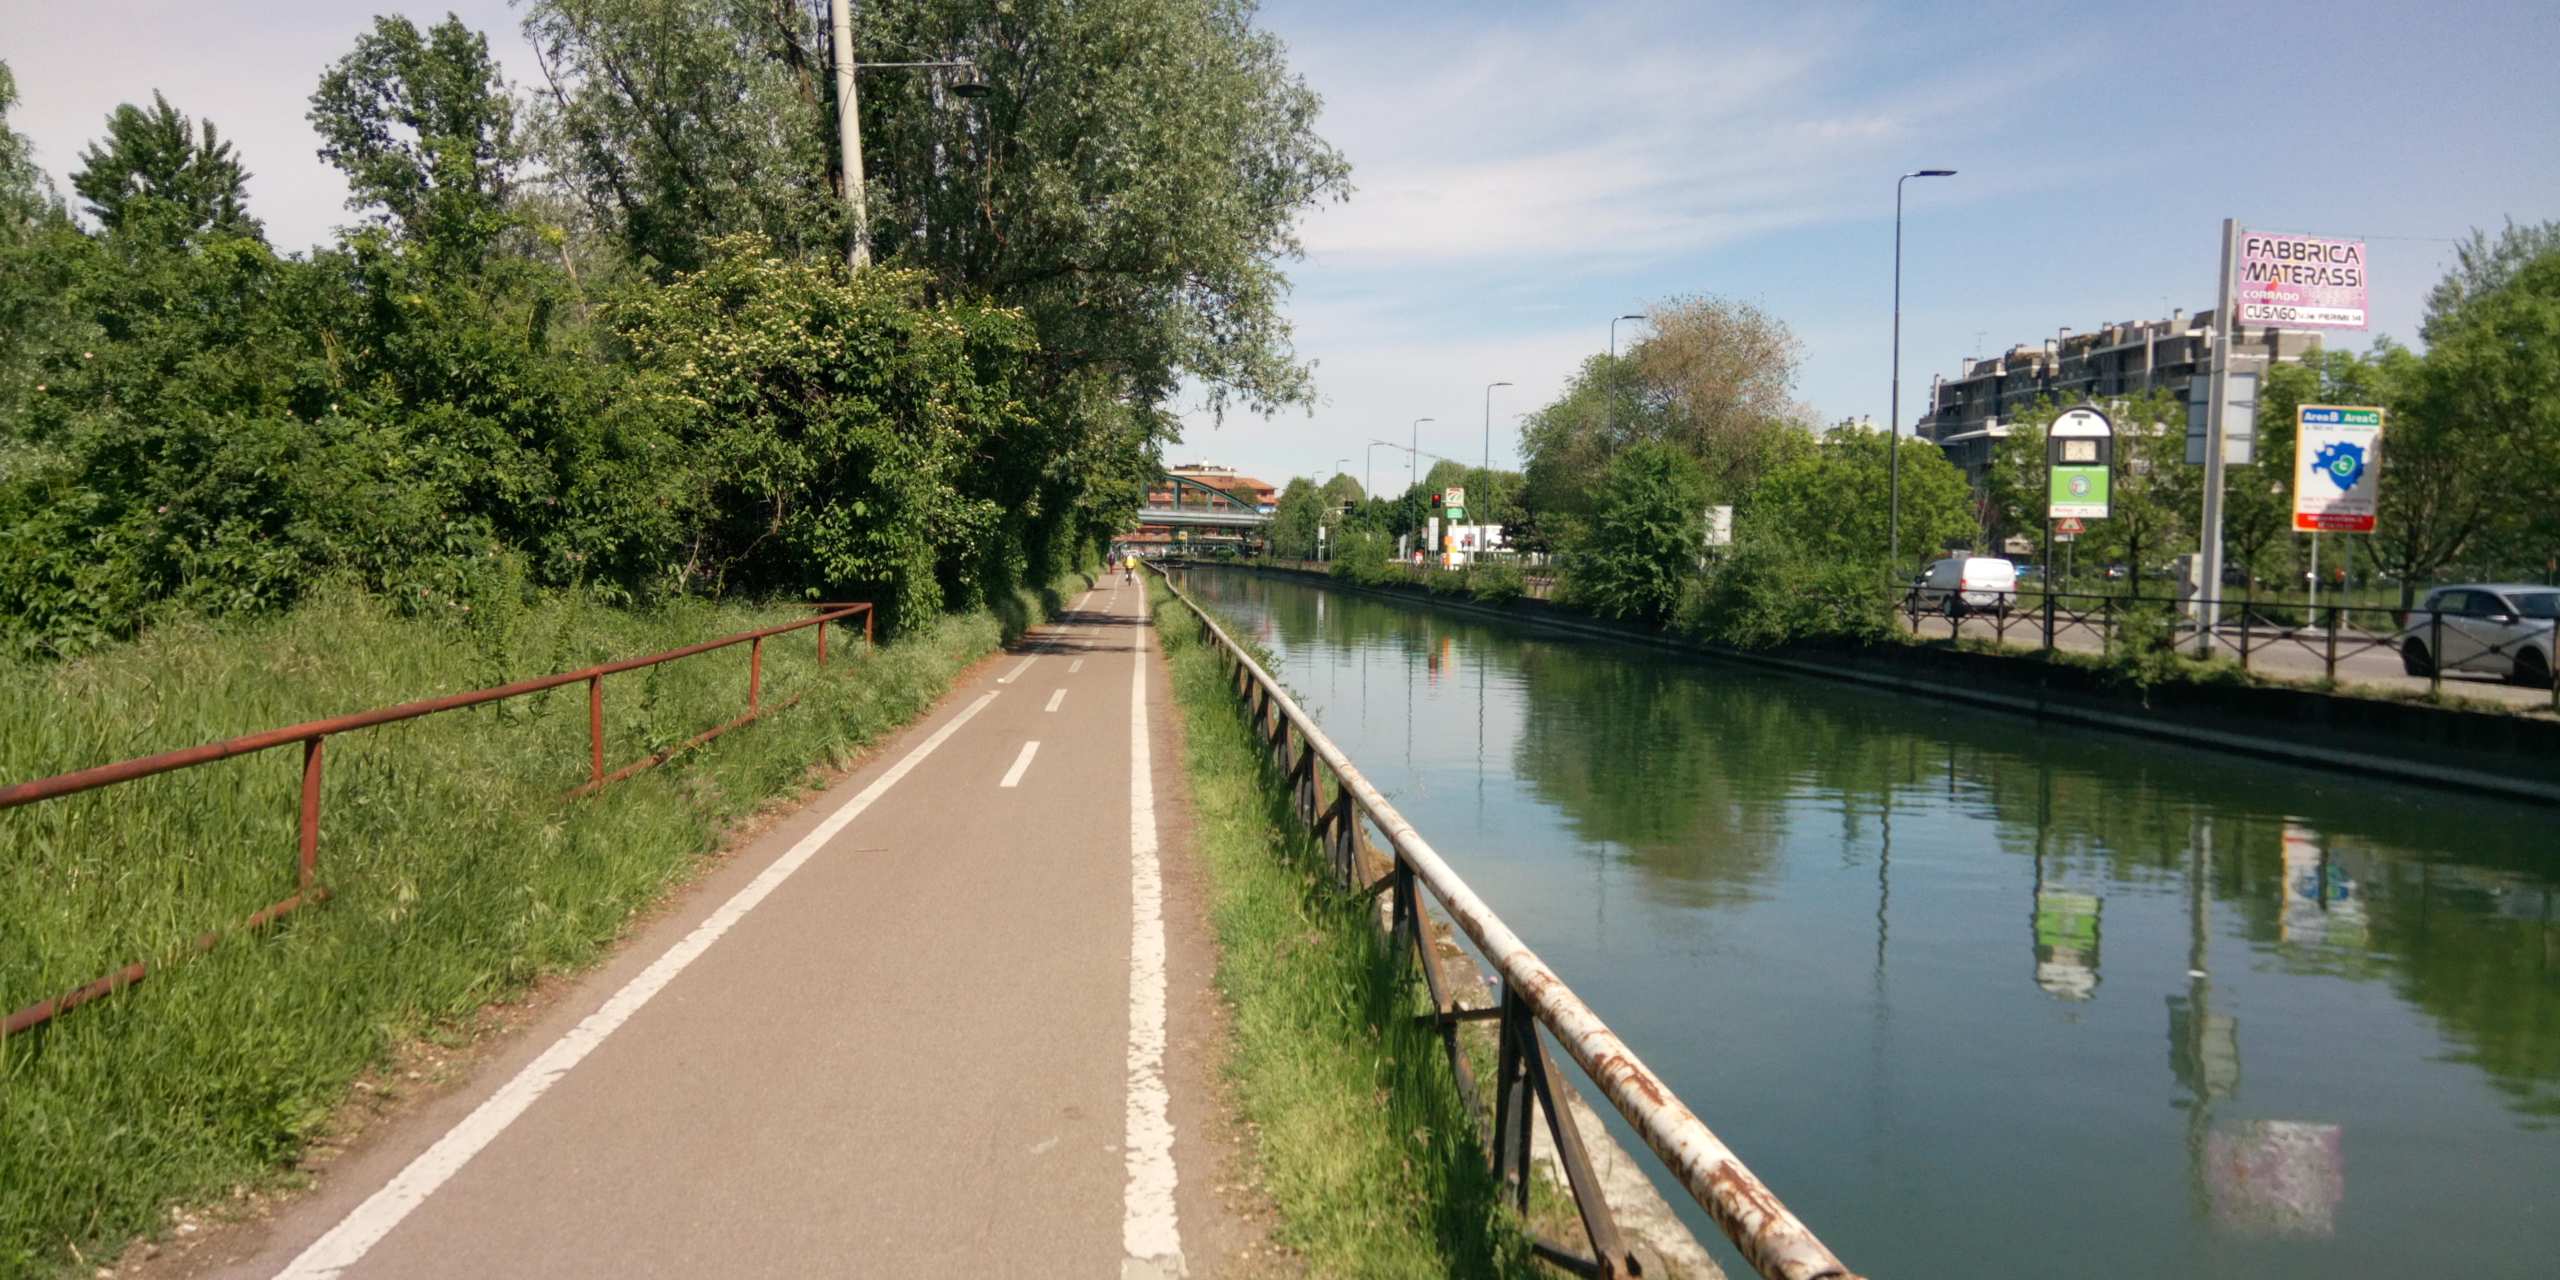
(1983, 996)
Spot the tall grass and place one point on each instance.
(1361, 1138)
(459, 873)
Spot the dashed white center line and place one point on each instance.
(1055, 699)
(1008, 677)
(1013, 776)
(1075, 666)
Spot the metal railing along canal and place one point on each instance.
(312, 734)
(1533, 1001)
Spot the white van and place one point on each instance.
(1959, 584)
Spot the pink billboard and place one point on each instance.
(2300, 282)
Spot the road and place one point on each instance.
(2375, 669)
(920, 1027)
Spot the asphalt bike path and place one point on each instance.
(920, 1025)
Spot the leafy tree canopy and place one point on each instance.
(422, 125)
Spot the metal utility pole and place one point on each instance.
(1413, 459)
(857, 251)
(1488, 428)
(1893, 406)
(1609, 394)
(2218, 396)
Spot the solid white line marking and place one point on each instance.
(1149, 1233)
(1055, 699)
(1013, 776)
(1075, 666)
(347, 1243)
(1007, 678)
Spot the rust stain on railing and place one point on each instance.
(1770, 1237)
(312, 734)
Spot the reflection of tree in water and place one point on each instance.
(1692, 770)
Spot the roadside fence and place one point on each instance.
(2260, 632)
(1342, 809)
(313, 734)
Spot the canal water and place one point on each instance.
(1980, 996)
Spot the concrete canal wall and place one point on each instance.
(2516, 756)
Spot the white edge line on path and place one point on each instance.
(359, 1231)
(1055, 699)
(1075, 666)
(1149, 1232)
(1013, 776)
(1007, 678)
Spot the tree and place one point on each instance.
(1712, 379)
(423, 127)
(1721, 373)
(1645, 534)
(2487, 447)
(1342, 490)
(1829, 505)
(2482, 266)
(25, 197)
(163, 176)
(1295, 519)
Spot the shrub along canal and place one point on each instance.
(1981, 996)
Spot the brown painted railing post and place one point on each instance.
(595, 730)
(867, 611)
(308, 866)
(755, 675)
(822, 646)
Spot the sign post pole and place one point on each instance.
(2226, 320)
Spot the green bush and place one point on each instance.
(1768, 594)
(1645, 536)
(1496, 582)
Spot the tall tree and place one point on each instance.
(422, 125)
(25, 197)
(1295, 519)
(2481, 266)
(159, 174)
(1828, 504)
(2489, 394)
(678, 122)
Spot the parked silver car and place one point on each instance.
(2502, 628)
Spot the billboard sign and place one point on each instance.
(2337, 468)
(2079, 457)
(2300, 282)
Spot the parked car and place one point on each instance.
(2502, 628)
(1958, 584)
(2031, 575)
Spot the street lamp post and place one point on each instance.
(1488, 428)
(1609, 396)
(1893, 410)
(857, 254)
(1413, 459)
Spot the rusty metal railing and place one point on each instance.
(1533, 999)
(311, 734)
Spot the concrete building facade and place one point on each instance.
(1970, 413)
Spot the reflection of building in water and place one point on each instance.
(2067, 943)
(2322, 901)
(2276, 1177)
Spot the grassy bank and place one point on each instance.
(459, 873)
(1362, 1140)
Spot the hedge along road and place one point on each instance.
(921, 1025)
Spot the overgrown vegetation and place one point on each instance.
(459, 875)
(1361, 1138)
(601, 332)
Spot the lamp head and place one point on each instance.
(967, 83)
(1934, 173)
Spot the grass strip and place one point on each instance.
(460, 875)
(1362, 1141)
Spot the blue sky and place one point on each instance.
(1524, 171)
